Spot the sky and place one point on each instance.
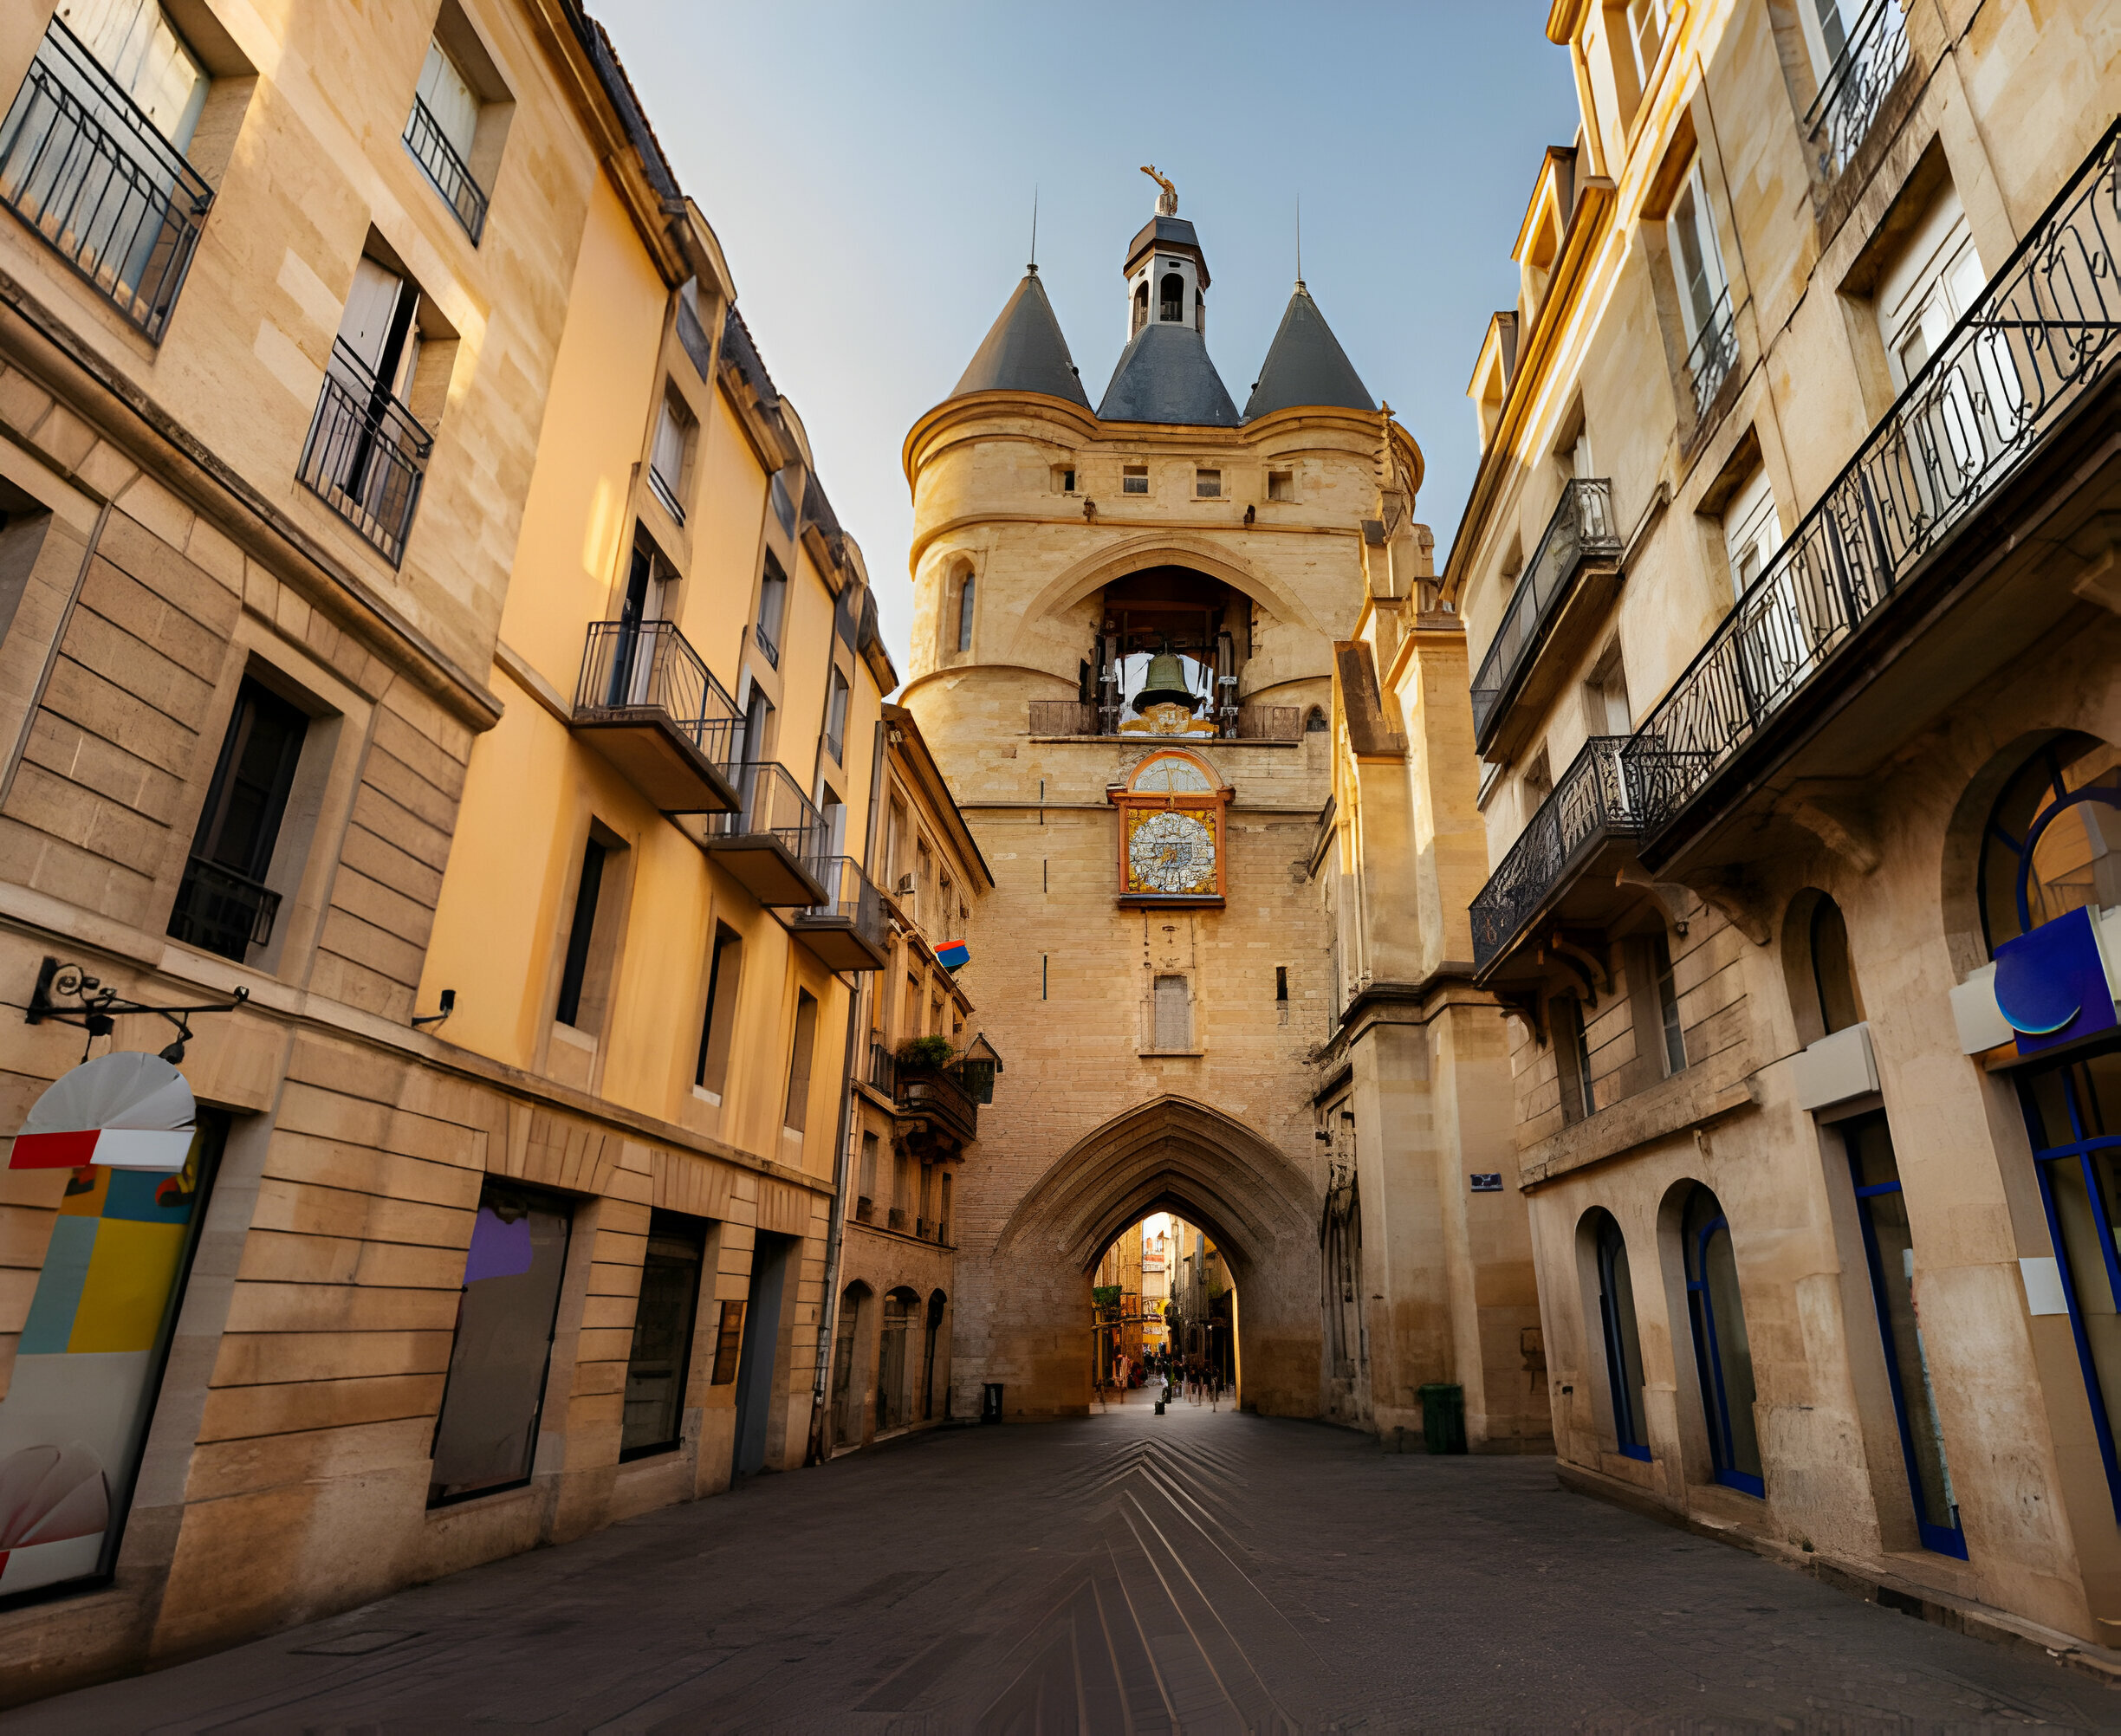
(871, 169)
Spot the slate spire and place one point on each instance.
(1306, 365)
(1023, 350)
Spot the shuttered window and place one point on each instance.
(1174, 1018)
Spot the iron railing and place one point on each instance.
(221, 911)
(773, 803)
(631, 667)
(451, 174)
(884, 1070)
(84, 167)
(366, 453)
(1587, 806)
(850, 897)
(1250, 723)
(1867, 68)
(2045, 329)
(953, 1092)
(1583, 529)
(1715, 354)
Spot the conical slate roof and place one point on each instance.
(1165, 376)
(1024, 351)
(1306, 365)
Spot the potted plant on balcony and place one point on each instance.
(926, 1054)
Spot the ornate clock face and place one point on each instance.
(1172, 853)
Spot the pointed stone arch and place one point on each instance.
(1118, 561)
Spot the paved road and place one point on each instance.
(1201, 1572)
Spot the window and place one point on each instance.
(1936, 278)
(796, 1115)
(718, 1023)
(1314, 720)
(1646, 28)
(942, 1214)
(964, 634)
(868, 1169)
(1535, 787)
(669, 458)
(832, 821)
(928, 1359)
(1141, 308)
(1889, 1249)
(757, 742)
(1624, 1364)
(1208, 485)
(1134, 479)
(893, 1410)
(1607, 709)
(1281, 485)
(836, 715)
(1723, 1355)
(661, 1356)
(1064, 479)
(1704, 298)
(366, 453)
(1662, 978)
(783, 503)
(224, 905)
(1752, 532)
(1572, 1044)
(729, 1344)
(1170, 298)
(1833, 973)
(773, 602)
(486, 1437)
(1174, 1016)
(846, 1412)
(896, 842)
(440, 132)
(2074, 846)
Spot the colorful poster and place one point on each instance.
(75, 1416)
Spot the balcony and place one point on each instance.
(87, 170)
(452, 176)
(2007, 380)
(366, 455)
(849, 930)
(1562, 851)
(1714, 355)
(771, 842)
(648, 703)
(219, 910)
(1075, 717)
(1856, 87)
(943, 1106)
(1577, 564)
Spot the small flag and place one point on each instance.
(953, 956)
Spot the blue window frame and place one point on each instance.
(1623, 1370)
(1889, 1247)
(2073, 1110)
(1723, 1355)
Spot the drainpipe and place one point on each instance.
(828, 1307)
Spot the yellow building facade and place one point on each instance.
(1784, 575)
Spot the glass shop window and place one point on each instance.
(661, 1357)
(486, 1437)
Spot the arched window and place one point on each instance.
(846, 1396)
(1314, 720)
(1171, 295)
(1622, 1342)
(1174, 773)
(2053, 840)
(1723, 1355)
(1832, 974)
(964, 613)
(935, 1304)
(1141, 307)
(893, 1410)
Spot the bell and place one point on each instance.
(1165, 683)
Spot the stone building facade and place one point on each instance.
(1786, 575)
(1131, 625)
(427, 629)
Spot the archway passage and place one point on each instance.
(1164, 1312)
(1232, 1191)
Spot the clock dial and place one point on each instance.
(1172, 853)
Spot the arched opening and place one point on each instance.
(1170, 299)
(1603, 1248)
(1722, 1351)
(894, 1397)
(1141, 307)
(965, 588)
(1171, 646)
(848, 1393)
(937, 1304)
(1240, 1220)
(2053, 843)
(1163, 1309)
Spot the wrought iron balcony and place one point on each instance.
(1856, 87)
(221, 911)
(849, 929)
(1252, 723)
(451, 174)
(1582, 536)
(945, 1100)
(648, 703)
(772, 841)
(1715, 354)
(87, 170)
(1587, 809)
(366, 455)
(2043, 332)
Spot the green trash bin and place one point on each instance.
(1443, 1417)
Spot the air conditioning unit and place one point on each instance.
(906, 886)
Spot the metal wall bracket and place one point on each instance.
(97, 1005)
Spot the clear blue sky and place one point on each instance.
(869, 168)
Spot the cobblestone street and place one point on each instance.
(1204, 1571)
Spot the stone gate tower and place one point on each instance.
(1124, 658)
